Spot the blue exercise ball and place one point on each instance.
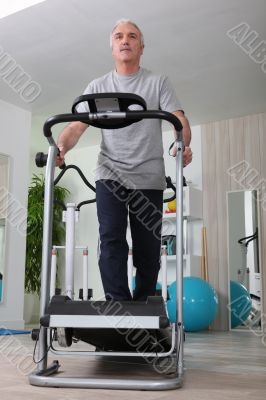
(200, 304)
(240, 303)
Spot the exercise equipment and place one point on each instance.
(122, 329)
(200, 303)
(249, 275)
(171, 206)
(240, 304)
(71, 215)
(170, 242)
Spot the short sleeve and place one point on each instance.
(168, 98)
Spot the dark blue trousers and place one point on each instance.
(115, 204)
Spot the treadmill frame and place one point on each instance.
(45, 375)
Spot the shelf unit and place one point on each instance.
(191, 266)
(192, 203)
(192, 211)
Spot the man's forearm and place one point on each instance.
(186, 128)
(186, 132)
(70, 136)
(187, 153)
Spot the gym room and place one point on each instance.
(133, 199)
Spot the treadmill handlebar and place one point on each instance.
(41, 160)
(101, 119)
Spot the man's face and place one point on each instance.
(126, 43)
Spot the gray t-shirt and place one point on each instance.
(133, 155)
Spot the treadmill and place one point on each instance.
(120, 330)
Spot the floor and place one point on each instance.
(227, 365)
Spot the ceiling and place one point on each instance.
(63, 44)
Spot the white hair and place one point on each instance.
(126, 21)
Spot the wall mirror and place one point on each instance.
(244, 260)
(4, 185)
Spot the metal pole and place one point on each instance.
(130, 271)
(164, 272)
(70, 250)
(85, 274)
(46, 251)
(179, 253)
(53, 273)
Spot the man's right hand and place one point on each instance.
(60, 159)
(68, 138)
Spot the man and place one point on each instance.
(130, 176)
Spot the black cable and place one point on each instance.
(170, 185)
(87, 183)
(48, 349)
(83, 203)
(82, 176)
(250, 237)
(254, 237)
(170, 148)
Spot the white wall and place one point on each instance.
(15, 142)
